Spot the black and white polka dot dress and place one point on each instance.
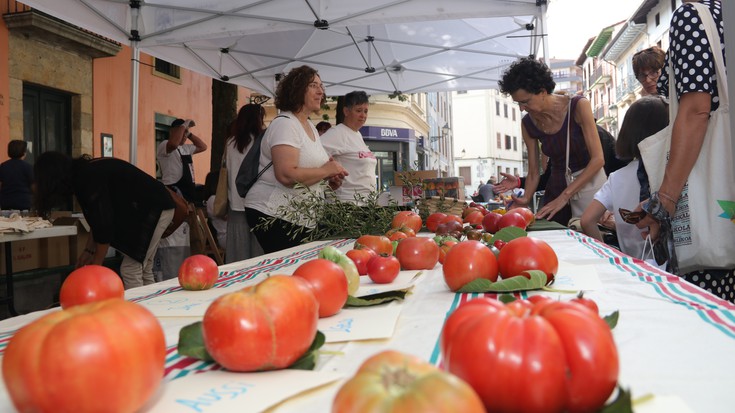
(690, 53)
(694, 71)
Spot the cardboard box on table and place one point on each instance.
(39, 253)
(414, 176)
(67, 218)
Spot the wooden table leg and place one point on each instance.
(9, 279)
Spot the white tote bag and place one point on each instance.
(703, 226)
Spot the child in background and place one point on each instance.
(645, 117)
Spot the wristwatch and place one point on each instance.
(655, 208)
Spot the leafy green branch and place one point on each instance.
(331, 218)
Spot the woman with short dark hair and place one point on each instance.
(16, 178)
(553, 120)
(345, 144)
(647, 65)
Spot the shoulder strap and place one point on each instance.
(569, 127)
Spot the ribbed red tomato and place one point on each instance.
(544, 357)
(106, 356)
(392, 382)
(468, 261)
(408, 219)
(267, 326)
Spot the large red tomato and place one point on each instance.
(527, 253)
(106, 356)
(474, 218)
(490, 222)
(378, 243)
(434, 220)
(392, 382)
(468, 261)
(512, 219)
(263, 327)
(417, 253)
(328, 283)
(408, 219)
(89, 284)
(198, 272)
(527, 214)
(561, 357)
(361, 258)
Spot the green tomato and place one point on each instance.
(348, 266)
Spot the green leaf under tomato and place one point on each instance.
(375, 299)
(191, 342)
(506, 298)
(612, 319)
(508, 234)
(512, 284)
(308, 360)
(621, 404)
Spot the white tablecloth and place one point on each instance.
(674, 339)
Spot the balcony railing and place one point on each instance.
(603, 73)
(626, 86)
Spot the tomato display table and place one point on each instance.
(674, 339)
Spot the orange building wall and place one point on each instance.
(192, 98)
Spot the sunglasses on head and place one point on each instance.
(631, 217)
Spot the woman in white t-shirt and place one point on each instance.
(346, 145)
(292, 144)
(241, 244)
(645, 117)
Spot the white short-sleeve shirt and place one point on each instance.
(267, 194)
(170, 163)
(347, 147)
(622, 190)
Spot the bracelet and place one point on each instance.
(89, 251)
(654, 207)
(667, 197)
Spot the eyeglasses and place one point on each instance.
(650, 75)
(315, 86)
(631, 217)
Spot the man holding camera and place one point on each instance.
(175, 158)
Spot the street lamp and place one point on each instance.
(446, 129)
(464, 153)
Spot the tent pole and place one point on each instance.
(135, 79)
(544, 31)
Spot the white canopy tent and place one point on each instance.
(380, 46)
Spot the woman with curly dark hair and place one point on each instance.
(291, 144)
(125, 208)
(567, 132)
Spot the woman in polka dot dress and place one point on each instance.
(696, 90)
